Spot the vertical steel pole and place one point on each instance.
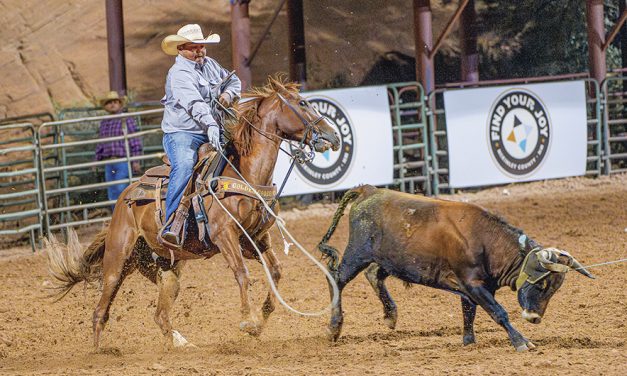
(470, 57)
(115, 45)
(623, 42)
(424, 43)
(296, 31)
(240, 41)
(596, 38)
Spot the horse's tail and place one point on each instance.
(69, 264)
(329, 252)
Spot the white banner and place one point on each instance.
(361, 117)
(516, 133)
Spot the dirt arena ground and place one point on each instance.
(583, 332)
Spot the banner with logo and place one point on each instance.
(516, 133)
(361, 116)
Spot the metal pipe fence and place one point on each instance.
(409, 131)
(20, 200)
(615, 124)
(438, 135)
(74, 190)
(50, 180)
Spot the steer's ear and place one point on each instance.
(523, 242)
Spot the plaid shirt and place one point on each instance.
(115, 149)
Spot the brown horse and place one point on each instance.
(270, 114)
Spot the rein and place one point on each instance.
(300, 155)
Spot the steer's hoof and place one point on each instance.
(469, 340)
(333, 334)
(390, 320)
(250, 328)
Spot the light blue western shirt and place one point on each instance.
(189, 89)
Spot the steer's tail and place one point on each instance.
(329, 252)
(69, 264)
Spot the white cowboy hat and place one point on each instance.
(187, 34)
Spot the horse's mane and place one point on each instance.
(239, 130)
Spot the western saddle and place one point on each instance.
(153, 188)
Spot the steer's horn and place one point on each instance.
(580, 268)
(574, 264)
(544, 259)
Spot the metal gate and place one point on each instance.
(20, 201)
(409, 130)
(73, 192)
(615, 124)
(438, 138)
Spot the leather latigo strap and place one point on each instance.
(158, 208)
(230, 185)
(201, 217)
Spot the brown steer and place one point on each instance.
(454, 246)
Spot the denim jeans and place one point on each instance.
(182, 150)
(116, 171)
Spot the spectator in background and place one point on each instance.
(114, 104)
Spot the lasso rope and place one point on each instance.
(603, 263)
(280, 223)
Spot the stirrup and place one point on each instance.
(171, 240)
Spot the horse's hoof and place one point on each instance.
(114, 351)
(530, 345)
(251, 328)
(178, 341)
(522, 348)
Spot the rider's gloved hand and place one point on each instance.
(225, 100)
(213, 133)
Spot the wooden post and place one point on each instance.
(240, 41)
(115, 46)
(470, 57)
(296, 31)
(424, 43)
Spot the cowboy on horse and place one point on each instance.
(240, 204)
(190, 118)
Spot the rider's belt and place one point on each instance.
(230, 185)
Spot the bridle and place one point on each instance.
(299, 155)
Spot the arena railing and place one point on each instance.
(614, 91)
(437, 124)
(410, 135)
(74, 192)
(20, 200)
(35, 119)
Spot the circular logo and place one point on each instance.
(331, 167)
(519, 132)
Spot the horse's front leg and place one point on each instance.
(227, 239)
(274, 265)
